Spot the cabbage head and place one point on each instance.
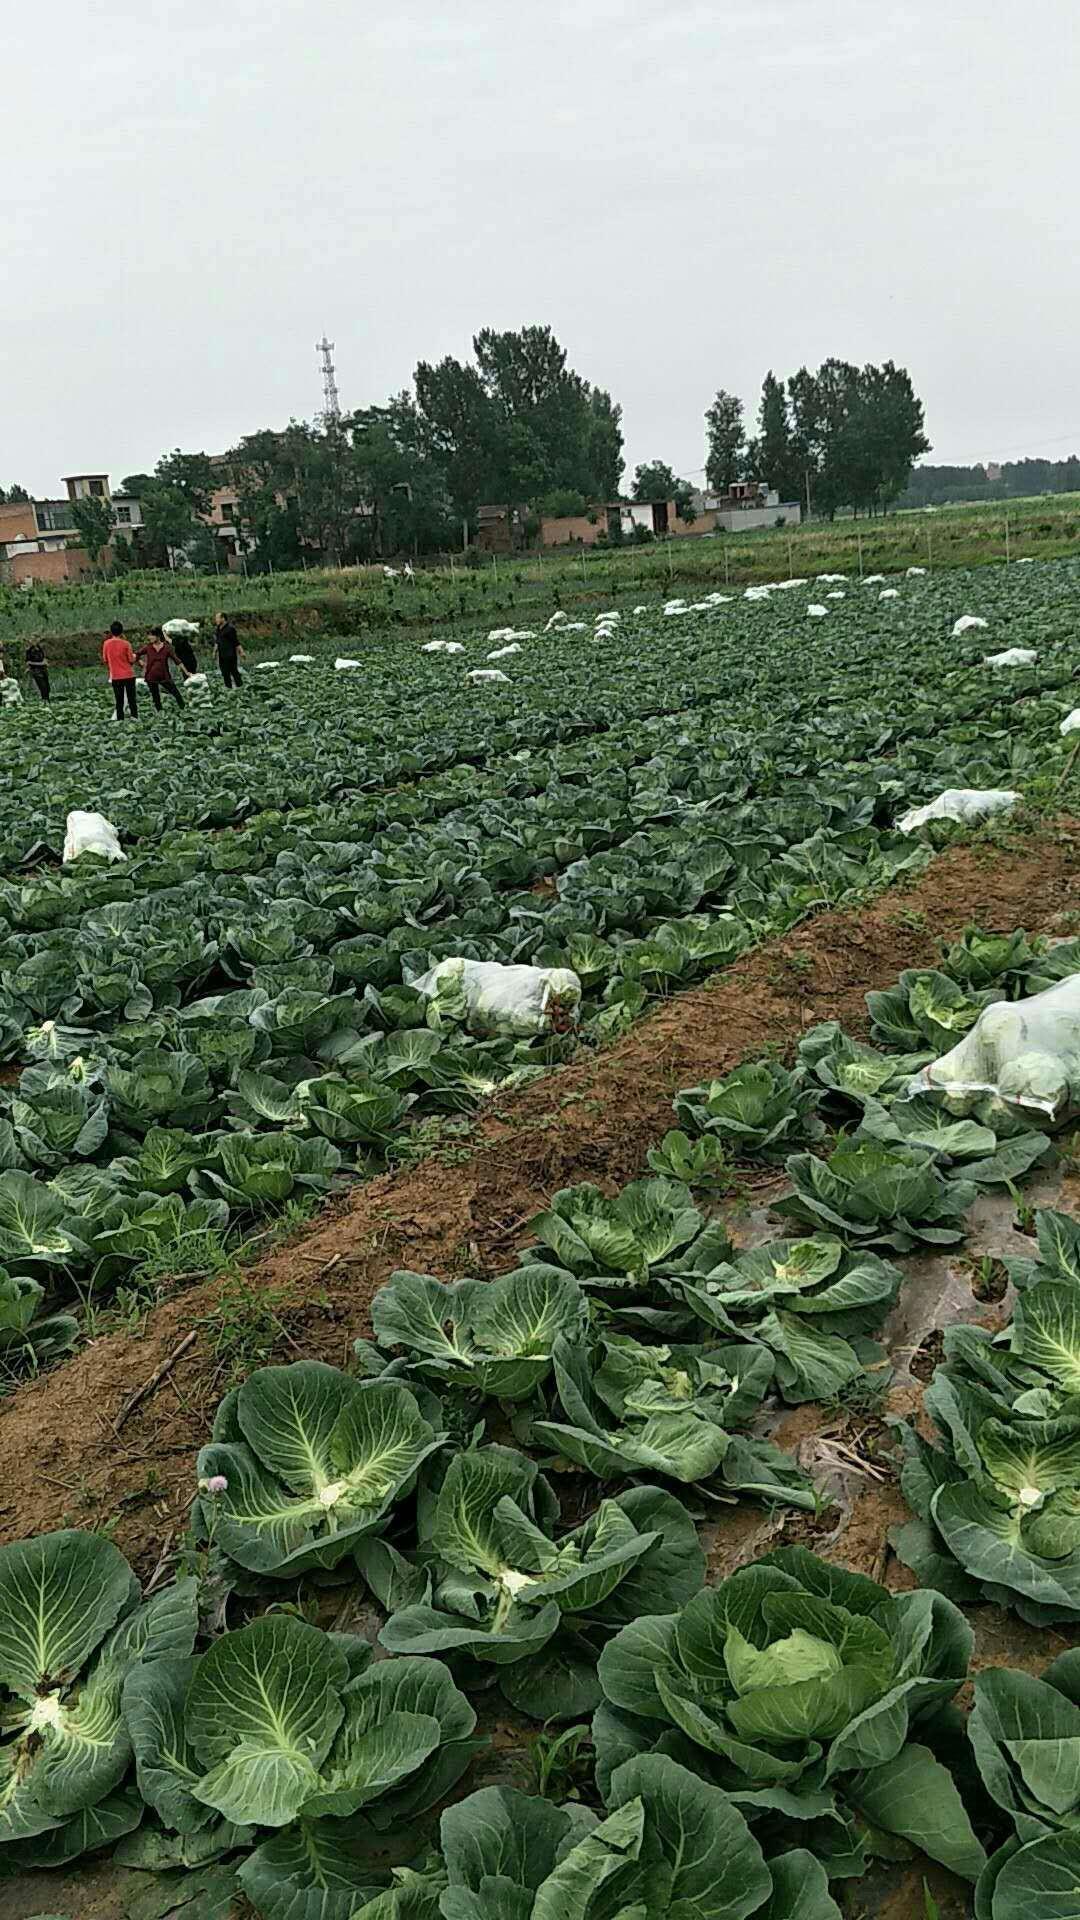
(668, 1847)
(801, 1689)
(759, 1110)
(613, 1243)
(71, 1632)
(1025, 1736)
(493, 1337)
(997, 1504)
(312, 1460)
(280, 1722)
(873, 1195)
(492, 1583)
(253, 1172)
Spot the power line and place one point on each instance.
(1050, 440)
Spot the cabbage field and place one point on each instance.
(503, 1510)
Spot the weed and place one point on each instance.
(1068, 1147)
(130, 1308)
(243, 1325)
(562, 1762)
(864, 1397)
(790, 968)
(911, 919)
(436, 1137)
(194, 1256)
(799, 961)
(1025, 1213)
(989, 1278)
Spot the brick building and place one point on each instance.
(39, 539)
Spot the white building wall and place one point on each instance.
(744, 520)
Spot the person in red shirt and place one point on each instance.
(155, 658)
(120, 662)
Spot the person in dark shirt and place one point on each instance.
(184, 652)
(38, 669)
(156, 658)
(229, 650)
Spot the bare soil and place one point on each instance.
(64, 1462)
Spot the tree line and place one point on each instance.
(515, 424)
(1013, 480)
(841, 437)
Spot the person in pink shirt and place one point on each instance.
(120, 661)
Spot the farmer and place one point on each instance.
(38, 668)
(184, 651)
(156, 657)
(228, 648)
(120, 662)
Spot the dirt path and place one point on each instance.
(63, 1462)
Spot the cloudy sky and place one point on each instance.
(688, 193)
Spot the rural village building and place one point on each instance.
(39, 539)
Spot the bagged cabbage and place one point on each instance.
(343, 665)
(966, 622)
(492, 998)
(481, 674)
(960, 803)
(1071, 722)
(1020, 1054)
(91, 833)
(1012, 657)
(181, 629)
(443, 646)
(10, 692)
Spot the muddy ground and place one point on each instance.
(466, 1210)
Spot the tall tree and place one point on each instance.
(168, 524)
(856, 431)
(93, 520)
(771, 455)
(725, 436)
(405, 504)
(605, 444)
(266, 483)
(655, 480)
(523, 373)
(13, 496)
(520, 424)
(190, 474)
(893, 430)
(459, 427)
(175, 500)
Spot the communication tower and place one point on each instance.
(331, 404)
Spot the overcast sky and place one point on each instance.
(687, 193)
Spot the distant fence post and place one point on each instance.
(1006, 539)
(725, 564)
(790, 558)
(583, 563)
(495, 565)
(670, 564)
(930, 548)
(859, 539)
